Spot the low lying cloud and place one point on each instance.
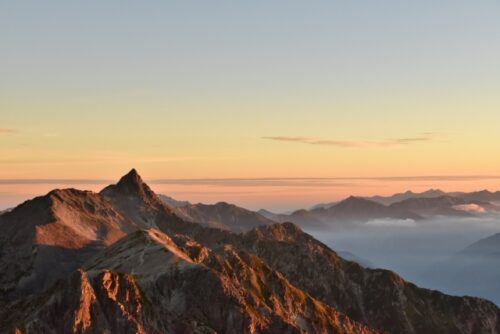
(392, 142)
(392, 222)
(473, 208)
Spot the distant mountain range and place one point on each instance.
(483, 195)
(123, 261)
(404, 206)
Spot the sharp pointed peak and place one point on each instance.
(130, 184)
(131, 177)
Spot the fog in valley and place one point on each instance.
(426, 252)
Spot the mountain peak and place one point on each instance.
(130, 184)
(355, 200)
(131, 178)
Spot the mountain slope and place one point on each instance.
(359, 209)
(379, 298)
(487, 247)
(172, 201)
(474, 270)
(347, 213)
(135, 200)
(49, 236)
(480, 196)
(222, 215)
(483, 195)
(442, 205)
(388, 200)
(134, 287)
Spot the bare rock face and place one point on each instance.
(122, 261)
(379, 298)
(45, 238)
(151, 283)
(135, 200)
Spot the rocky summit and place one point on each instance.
(124, 261)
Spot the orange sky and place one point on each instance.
(325, 90)
(272, 194)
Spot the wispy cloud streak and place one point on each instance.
(266, 181)
(8, 131)
(391, 142)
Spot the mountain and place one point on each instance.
(388, 200)
(50, 236)
(323, 205)
(483, 195)
(379, 298)
(443, 206)
(276, 217)
(306, 218)
(408, 205)
(347, 213)
(360, 209)
(149, 282)
(173, 202)
(487, 247)
(5, 211)
(354, 258)
(136, 200)
(223, 215)
(150, 271)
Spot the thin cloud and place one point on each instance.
(392, 142)
(8, 131)
(266, 181)
(392, 223)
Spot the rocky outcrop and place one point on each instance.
(379, 298)
(48, 237)
(151, 283)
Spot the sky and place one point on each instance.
(190, 90)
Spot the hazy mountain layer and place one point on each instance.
(354, 211)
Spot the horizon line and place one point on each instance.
(243, 180)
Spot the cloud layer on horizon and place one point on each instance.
(267, 181)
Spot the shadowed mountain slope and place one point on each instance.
(151, 283)
(51, 235)
(379, 298)
(222, 215)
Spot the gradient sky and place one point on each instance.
(240, 89)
